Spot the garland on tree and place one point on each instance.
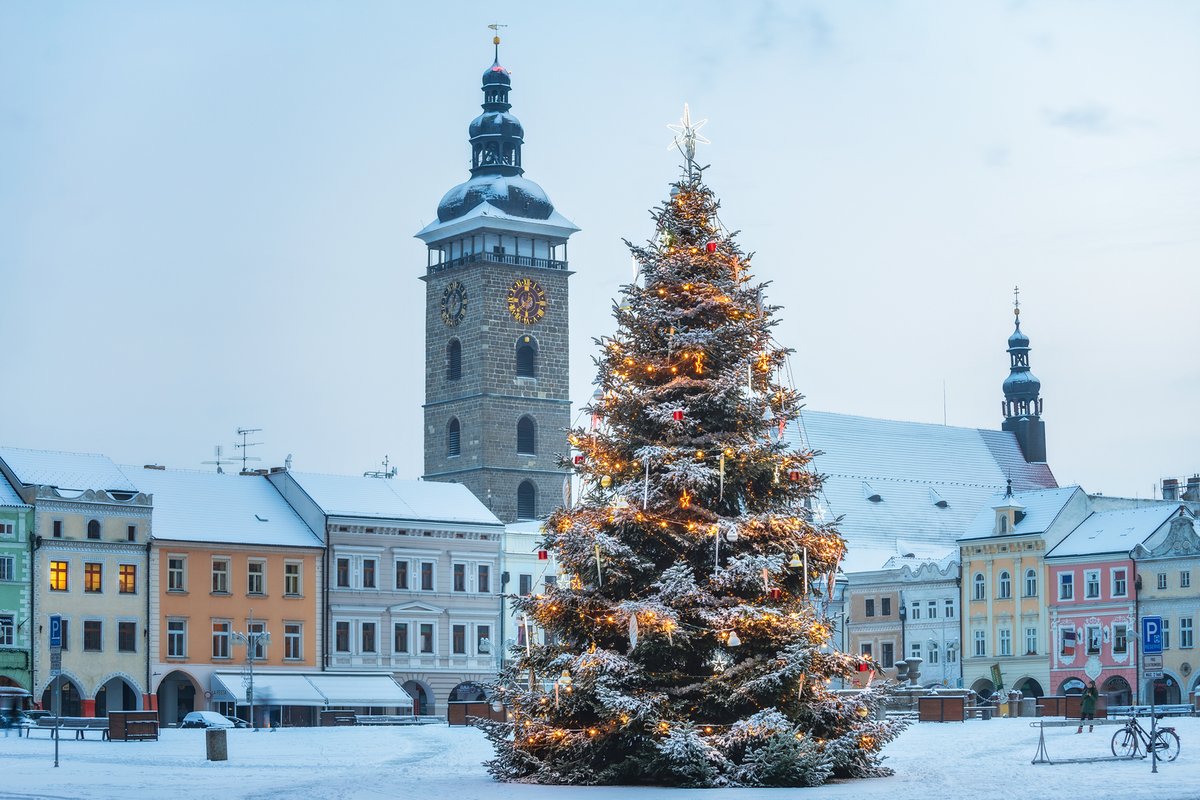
(689, 644)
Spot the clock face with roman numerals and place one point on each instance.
(527, 301)
(454, 303)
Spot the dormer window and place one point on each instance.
(1002, 524)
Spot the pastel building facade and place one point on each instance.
(16, 530)
(89, 565)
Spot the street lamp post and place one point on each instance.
(252, 639)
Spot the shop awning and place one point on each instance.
(319, 689)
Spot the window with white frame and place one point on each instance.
(525, 585)
(176, 638)
(949, 605)
(1120, 638)
(1162, 580)
(932, 605)
(952, 653)
(7, 568)
(425, 638)
(869, 606)
(368, 641)
(1031, 583)
(934, 652)
(916, 611)
(291, 578)
(980, 586)
(887, 654)
(1093, 634)
(221, 629)
(458, 640)
(369, 568)
(428, 583)
(980, 643)
(402, 575)
(1031, 641)
(1066, 586)
(6, 530)
(483, 575)
(1185, 632)
(1166, 630)
(341, 636)
(256, 577)
(459, 572)
(8, 630)
(343, 572)
(1120, 582)
(483, 639)
(1005, 585)
(258, 634)
(1185, 578)
(1006, 642)
(176, 573)
(914, 649)
(1091, 584)
(293, 641)
(400, 638)
(220, 576)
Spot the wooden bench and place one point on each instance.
(81, 725)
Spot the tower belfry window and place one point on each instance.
(526, 497)
(526, 436)
(526, 366)
(454, 360)
(453, 438)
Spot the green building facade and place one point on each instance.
(16, 528)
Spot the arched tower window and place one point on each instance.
(94, 529)
(980, 586)
(526, 357)
(453, 360)
(453, 438)
(1030, 583)
(526, 500)
(526, 436)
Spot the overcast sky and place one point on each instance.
(207, 208)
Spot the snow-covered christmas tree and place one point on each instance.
(689, 643)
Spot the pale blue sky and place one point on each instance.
(207, 209)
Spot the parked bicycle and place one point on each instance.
(1133, 740)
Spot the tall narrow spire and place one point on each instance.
(1022, 404)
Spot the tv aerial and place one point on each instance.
(244, 445)
(383, 473)
(219, 461)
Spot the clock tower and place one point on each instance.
(497, 398)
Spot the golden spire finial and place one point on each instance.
(495, 27)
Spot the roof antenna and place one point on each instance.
(220, 451)
(244, 446)
(384, 473)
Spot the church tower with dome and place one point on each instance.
(1022, 401)
(497, 396)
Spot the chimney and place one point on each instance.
(1170, 488)
(1193, 488)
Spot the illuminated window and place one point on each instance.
(93, 577)
(59, 576)
(127, 579)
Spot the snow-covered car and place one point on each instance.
(206, 719)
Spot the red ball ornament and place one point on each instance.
(863, 666)
(794, 475)
(711, 247)
(776, 593)
(543, 555)
(677, 415)
(578, 459)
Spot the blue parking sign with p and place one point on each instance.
(1152, 635)
(56, 630)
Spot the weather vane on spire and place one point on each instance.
(687, 136)
(495, 28)
(1017, 303)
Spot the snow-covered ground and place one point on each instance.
(976, 760)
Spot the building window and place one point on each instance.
(1005, 642)
(864, 649)
(949, 608)
(526, 437)
(220, 576)
(131, 533)
(291, 579)
(887, 655)
(526, 500)
(483, 639)
(1185, 632)
(257, 633)
(1091, 584)
(1005, 585)
(59, 576)
(1185, 578)
(1093, 634)
(484, 575)
(343, 573)
(1120, 636)
(177, 638)
(6, 530)
(1166, 628)
(460, 577)
(914, 649)
(93, 529)
(1031, 641)
(341, 636)
(93, 577)
(550, 582)
(176, 574)
(1066, 640)
(7, 630)
(368, 637)
(65, 637)
(220, 638)
(368, 573)
(980, 586)
(426, 635)
(293, 641)
(453, 360)
(526, 358)
(933, 653)
(255, 578)
(400, 637)
(933, 609)
(951, 653)
(1066, 586)
(458, 640)
(7, 568)
(127, 578)
(93, 635)
(916, 611)
(980, 643)
(525, 585)
(1120, 584)
(427, 576)
(1030, 583)
(1162, 580)
(453, 439)
(401, 574)
(57, 529)
(127, 637)
(885, 606)
(870, 606)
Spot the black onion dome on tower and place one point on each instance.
(1021, 383)
(496, 172)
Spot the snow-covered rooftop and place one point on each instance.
(487, 215)
(66, 471)
(211, 507)
(8, 495)
(414, 501)
(1040, 510)
(920, 482)
(1115, 531)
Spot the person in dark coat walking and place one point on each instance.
(1087, 706)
